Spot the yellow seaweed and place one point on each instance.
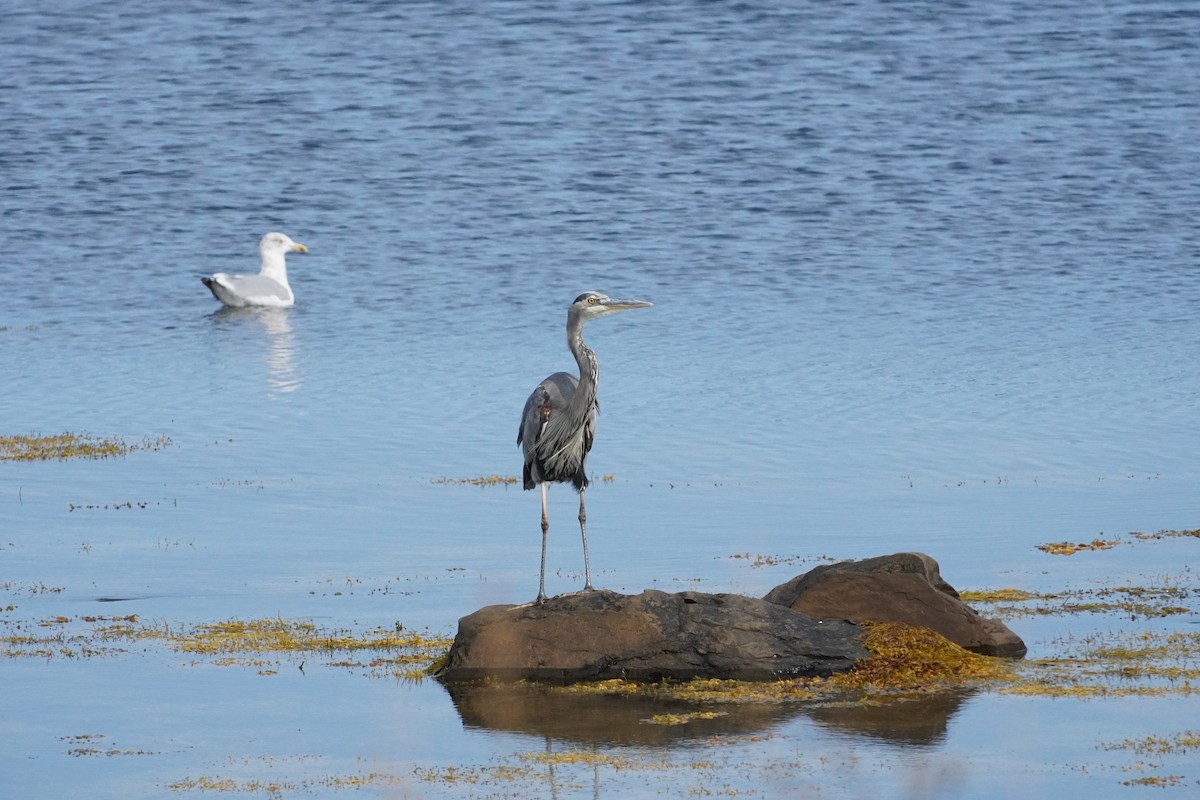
(63, 446)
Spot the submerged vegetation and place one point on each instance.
(482, 480)
(1136, 602)
(1071, 548)
(260, 643)
(1142, 664)
(1155, 753)
(62, 446)
(282, 787)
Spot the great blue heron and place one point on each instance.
(559, 421)
(269, 287)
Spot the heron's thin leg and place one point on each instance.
(541, 598)
(587, 567)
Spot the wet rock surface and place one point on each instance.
(903, 587)
(649, 637)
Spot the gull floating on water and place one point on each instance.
(269, 287)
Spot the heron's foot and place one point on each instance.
(540, 601)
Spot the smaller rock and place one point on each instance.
(904, 587)
(648, 637)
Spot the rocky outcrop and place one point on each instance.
(809, 626)
(648, 637)
(904, 587)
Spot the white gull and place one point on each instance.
(269, 287)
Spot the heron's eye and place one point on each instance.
(591, 301)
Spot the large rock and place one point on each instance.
(648, 637)
(905, 587)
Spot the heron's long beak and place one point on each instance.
(622, 305)
(299, 248)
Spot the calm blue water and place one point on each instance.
(926, 276)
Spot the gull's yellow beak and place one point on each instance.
(299, 247)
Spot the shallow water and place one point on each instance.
(925, 277)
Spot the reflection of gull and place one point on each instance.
(281, 372)
(269, 287)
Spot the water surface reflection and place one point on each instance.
(588, 719)
(279, 350)
(915, 720)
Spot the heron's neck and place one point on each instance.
(273, 265)
(589, 370)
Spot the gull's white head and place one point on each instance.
(275, 242)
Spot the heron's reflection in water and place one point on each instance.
(552, 778)
(279, 354)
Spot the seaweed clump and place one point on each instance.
(903, 660)
(906, 658)
(63, 446)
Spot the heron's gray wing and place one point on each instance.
(532, 418)
(543, 423)
(550, 396)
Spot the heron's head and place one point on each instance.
(276, 242)
(597, 304)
